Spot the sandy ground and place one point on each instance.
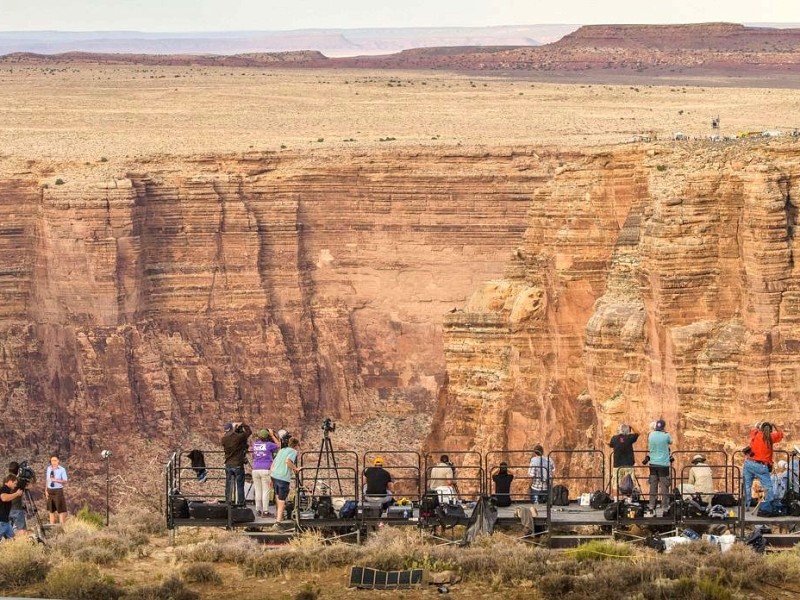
(87, 113)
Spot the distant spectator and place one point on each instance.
(701, 479)
(622, 445)
(265, 447)
(284, 469)
(234, 443)
(540, 471)
(502, 485)
(442, 474)
(658, 444)
(379, 485)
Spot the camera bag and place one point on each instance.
(724, 499)
(599, 500)
(560, 495)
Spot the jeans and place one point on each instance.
(234, 476)
(17, 519)
(538, 496)
(755, 470)
(262, 481)
(6, 531)
(659, 478)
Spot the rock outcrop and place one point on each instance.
(648, 285)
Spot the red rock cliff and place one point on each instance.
(276, 288)
(647, 286)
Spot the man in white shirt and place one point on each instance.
(540, 471)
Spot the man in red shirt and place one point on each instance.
(758, 463)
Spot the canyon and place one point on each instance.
(503, 269)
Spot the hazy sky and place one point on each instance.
(220, 15)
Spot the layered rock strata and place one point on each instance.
(647, 285)
(275, 288)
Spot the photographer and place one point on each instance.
(658, 443)
(8, 493)
(17, 514)
(758, 464)
(55, 478)
(234, 442)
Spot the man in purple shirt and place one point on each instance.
(264, 448)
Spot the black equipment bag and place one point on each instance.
(655, 542)
(632, 511)
(427, 508)
(724, 499)
(611, 512)
(324, 509)
(560, 495)
(348, 510)
(693, 510)
(180, 507)
(216, 511)
(599, 500)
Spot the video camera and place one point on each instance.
(328, 426)
(25, 475)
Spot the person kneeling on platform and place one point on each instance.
(701, 481)
(379, 486)
(502, 485)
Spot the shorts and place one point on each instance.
(281, 488)
(56, 503)
(17, 519)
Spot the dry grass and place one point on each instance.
(83, 541)
(173, 588)
(80, 581)
(201, 572)
(22, 563)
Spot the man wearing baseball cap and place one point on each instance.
(379, 486)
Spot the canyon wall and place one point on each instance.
(278, 288)
(647, 285)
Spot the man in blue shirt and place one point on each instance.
(55, 478)
(658, 452)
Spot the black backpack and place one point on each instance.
(599, 500)
(724, 499)
(693, 510)
(560, 495)
(611, 513)
(427, 508)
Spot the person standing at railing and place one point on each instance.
(658, 443)
(284, 468)
(540, 471)
(234, 443)
(265, 446)
(622, 445)
(758, 464)
(793, 472)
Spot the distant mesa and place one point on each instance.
(702, 49)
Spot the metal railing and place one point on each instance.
(405, 468)
(468, 467)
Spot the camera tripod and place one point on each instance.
(30, 505)
(326, 451)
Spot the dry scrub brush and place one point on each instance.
(80, 581)
(85, 542)
(21, 563)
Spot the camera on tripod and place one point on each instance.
(328, 426)
(105, 454)
(25, 475)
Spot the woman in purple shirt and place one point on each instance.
(264, 447)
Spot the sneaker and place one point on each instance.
(277, 527)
